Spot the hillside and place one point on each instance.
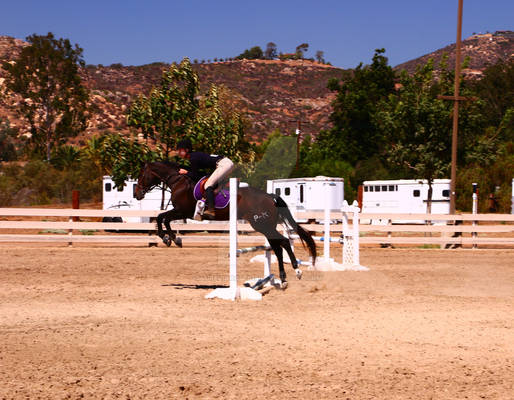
(273, 94)
(483, 50)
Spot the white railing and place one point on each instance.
(59, 225)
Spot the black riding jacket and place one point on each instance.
(202, 164)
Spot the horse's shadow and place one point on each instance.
(180, 286)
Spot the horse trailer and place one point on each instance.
(124, 198)
(309, 194)
(405, 196)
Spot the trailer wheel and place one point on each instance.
(112, 219)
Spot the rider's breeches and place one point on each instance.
(223, 168)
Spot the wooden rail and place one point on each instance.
(62, 228)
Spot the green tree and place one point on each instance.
(255, 53)
(418, 125)
(8, 151)
(271, 51)
(122, 158)
(496, 88)
(65, 157)
(354, 135)
(278, 161)
(220, 129)
(320, 57)
(301, 49)
(169, 111)
(51, 98)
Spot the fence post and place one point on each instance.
(344, 229)
(475, 210)
(75, 204)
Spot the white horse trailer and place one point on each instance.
(124, 199)
(309, 194)
(405, 196)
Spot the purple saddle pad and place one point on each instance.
(221, 199)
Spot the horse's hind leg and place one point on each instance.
(277, 249)
(287, 246)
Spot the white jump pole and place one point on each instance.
(356, 237)
(233, 292)
(326, 235)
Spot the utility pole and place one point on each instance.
(455, 129)
(456, 98)
(298, 134)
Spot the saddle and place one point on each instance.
(221, 194)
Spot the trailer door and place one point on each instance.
(300, 203)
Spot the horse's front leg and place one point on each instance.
(170, 235)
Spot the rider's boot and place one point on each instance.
(209, 212)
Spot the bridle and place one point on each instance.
(161, 179)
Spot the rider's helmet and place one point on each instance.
(185, 144)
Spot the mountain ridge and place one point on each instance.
(273, 94)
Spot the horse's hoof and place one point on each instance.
(299, 273)
(166, 240)
(178, 242)
(283, 285)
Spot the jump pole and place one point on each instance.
(234, 292)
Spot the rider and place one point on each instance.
(200, 162)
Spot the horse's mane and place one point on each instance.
(170, 164)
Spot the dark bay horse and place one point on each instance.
(262, 210)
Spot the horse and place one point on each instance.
(262, 210)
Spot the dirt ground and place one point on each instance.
(132, 323)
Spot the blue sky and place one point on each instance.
(140, 32)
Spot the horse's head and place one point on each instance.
(146, 181)
(152, 174)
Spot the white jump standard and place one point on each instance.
(349, 240)
(234, 292)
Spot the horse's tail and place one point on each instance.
(287, 217)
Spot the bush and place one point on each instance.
(39, 182)
(8, 151)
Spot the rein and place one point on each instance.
(164, 180)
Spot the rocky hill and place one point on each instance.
(482, 49)
(273, 94)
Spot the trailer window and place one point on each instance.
(377, 188)
(391, 188)
(384, 188)
(365, 188)
(416, 193)
(287, 191)
(371, 188)
(277, 191)
(446, 193)
(108, 187)
(134, 190)
(301, 193)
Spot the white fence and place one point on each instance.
(57, 225)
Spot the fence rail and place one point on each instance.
(474, 229)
